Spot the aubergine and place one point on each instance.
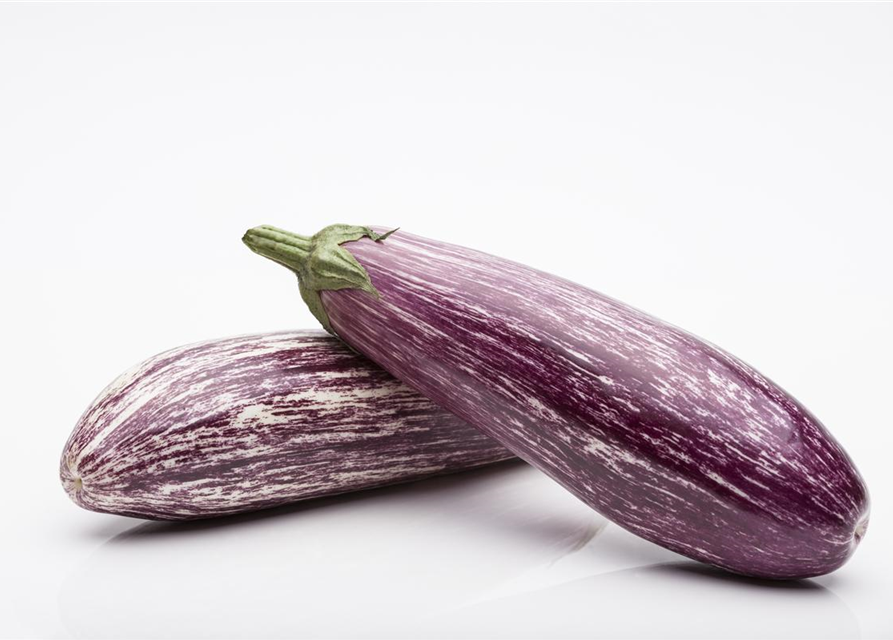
(257, 421)
(663, 433)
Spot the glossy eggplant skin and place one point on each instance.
(257, 421)
(663, 433)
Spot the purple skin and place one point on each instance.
(257, 421)
(663, 433)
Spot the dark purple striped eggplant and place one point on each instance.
(665, 434)
(257, 421)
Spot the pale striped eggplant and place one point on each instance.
(257, 421)
(658, 430)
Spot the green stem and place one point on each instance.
(320, 262)
(288, 249)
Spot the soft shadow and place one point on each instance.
(408, 559)
(391, 555)
(569, 535)
(715, 573)
(680, 599)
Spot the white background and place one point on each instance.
(726, 167)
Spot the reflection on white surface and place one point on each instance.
(328, 566)
(502, 552)
(665, 600)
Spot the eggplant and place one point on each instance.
(661, 432)
(257, 421)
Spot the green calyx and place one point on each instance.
(319, 261)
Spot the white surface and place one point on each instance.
(726, 167)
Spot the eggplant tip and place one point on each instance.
(860, 530)
(74, 486)
(72, 481)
